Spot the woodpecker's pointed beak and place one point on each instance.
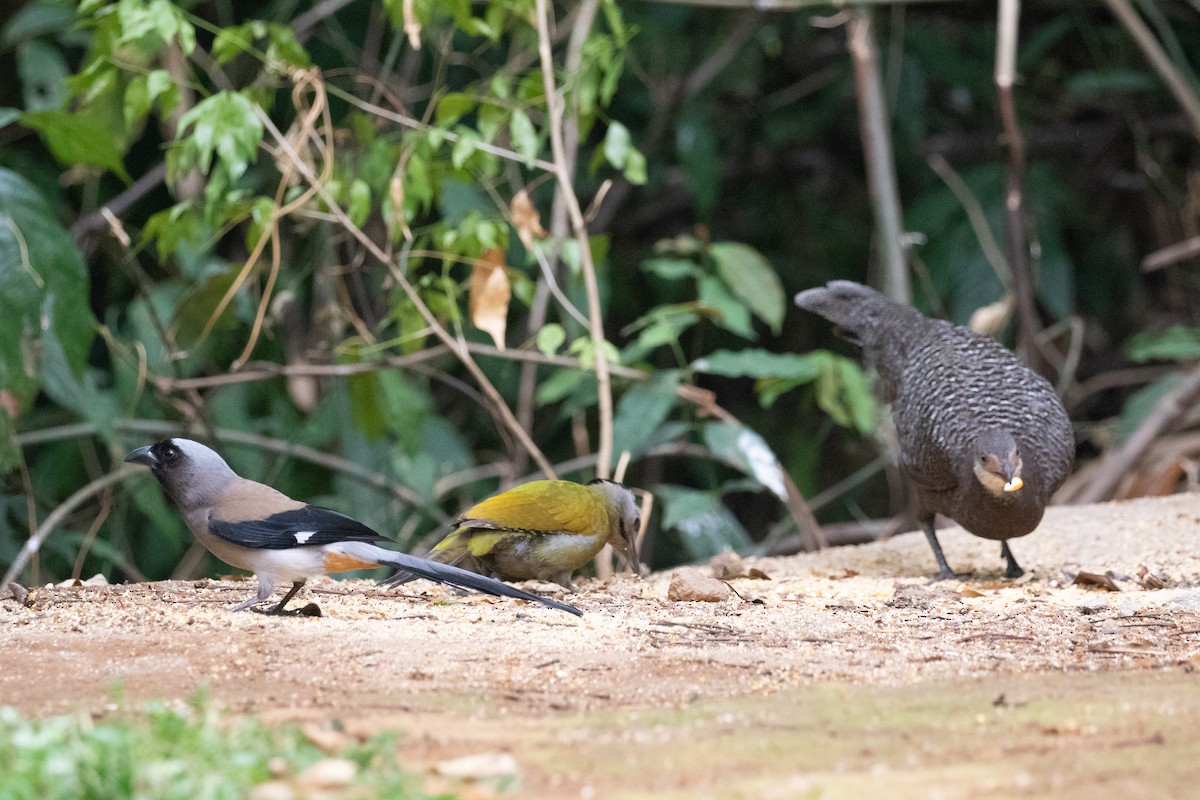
(142, 456)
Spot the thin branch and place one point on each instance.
(34, 543)
(877, 148)
(1116, 464)
(1184, 93)
(975, 216)
(575, 213)
(153, 427)
(399, 274)
(1016, 232)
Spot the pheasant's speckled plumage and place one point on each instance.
(955, 394)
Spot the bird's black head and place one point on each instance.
(192, 474)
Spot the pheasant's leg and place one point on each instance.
(1013, 570)
(291, 593)
(944, 571)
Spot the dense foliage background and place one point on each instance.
(306, 235)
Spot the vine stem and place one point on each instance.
(399, 274)
(554, 107)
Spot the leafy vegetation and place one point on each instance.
(356, 228)
(188, 752)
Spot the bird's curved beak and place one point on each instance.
(142, 456)
(632, 554)
(1012, 478)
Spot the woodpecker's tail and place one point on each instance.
(413, 567)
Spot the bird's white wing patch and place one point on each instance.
(303, 536)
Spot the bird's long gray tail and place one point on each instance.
(445, 573)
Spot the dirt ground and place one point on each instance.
(838, 674)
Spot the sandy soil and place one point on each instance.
(840, 672)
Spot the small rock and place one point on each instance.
(272, 790)
(690, 585)
(328, 773)
(480, 767)
(727, 565)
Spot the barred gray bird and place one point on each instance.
(982, 438)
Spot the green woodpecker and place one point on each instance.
(543, 530)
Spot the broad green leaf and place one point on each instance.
(701, 520)
(225, 125)
(358, 207)
(843, 393)
(750, 277)
(550, 338)
(154, 24)
(641, 410)
(78, 139)
(617, 144)
(43, 72)
(1176, 343)
(671, 269)
(452, 107)
(144, 90)
(731, 313)
(465, 147)
(744, 448)
(1140, 404)
(756, 363)
(524, 136)
(44, 308)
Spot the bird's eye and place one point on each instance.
(170, 454)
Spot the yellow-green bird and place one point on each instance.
(543, 530)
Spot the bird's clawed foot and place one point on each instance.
(1012, 568)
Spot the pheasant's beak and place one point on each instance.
(1012, 478)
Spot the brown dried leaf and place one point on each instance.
(1104, 582)
(10, 403)
(526, 220)
(967, 591)
(758, 574)
(490, 293)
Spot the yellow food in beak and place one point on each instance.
(1015, 484)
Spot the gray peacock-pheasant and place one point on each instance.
(981, 437)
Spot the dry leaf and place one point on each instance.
(1104, 582)
(967, 591)
(990, 319)
(10, 404)
(412, 26)
(526, 220)
(490, 293)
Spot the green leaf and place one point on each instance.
(465, 147)
(359, 206)
(144, 90)
(731, 313)
(524, 136)
(756, 363)
(671, 269)
(617, 144)
(635, 168)
(1098, 83)
(844, 394)
(550, 338)
(1176, 343)
(750, 277)
(453, 106)
(154, 25)
(225, 125)
(43, 73)
(642, 410)
(1140, 404)
(78, 139)
(702, 521)
(44, 294)
(742, 447)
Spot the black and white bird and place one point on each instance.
(253, 527)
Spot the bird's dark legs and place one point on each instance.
(1013, 569)
(290, 594)
(944, 571)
